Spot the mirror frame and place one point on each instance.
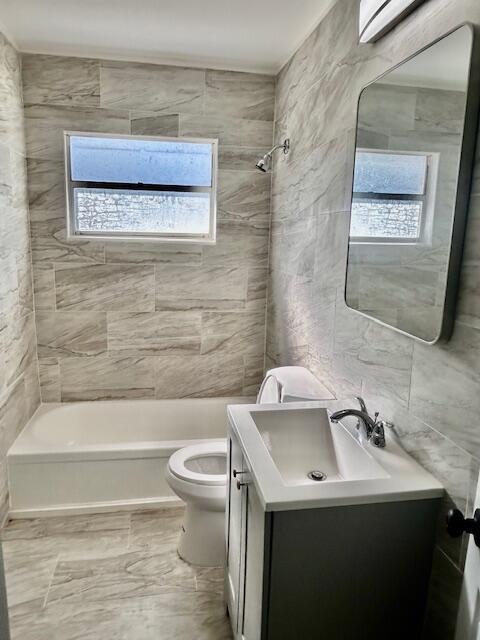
(466, 165)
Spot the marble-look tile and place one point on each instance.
(106, 287)
(448, 400)
(90, 621)
(156, 530)
(23, 584)
(379, 356)
(59, 80)
(154, 88)
(152, 124)
(157, 333)
(32, 389)
(241, 95)
(235, 158)
(46, 189)
(243, 195)
(388, 110)
(106, 377)
(132, 574)
(49, 376)
(13, 414)
(228, 130)
(28, 529)
(199, 376)
(49, 244)
(65, 334)
(20, 345)
(153, 252)
(319, 178)
(254, 370)
(440, 110)
(11, 108)
(326, 46)
(205, 287)
(257, 288)
(45, 124)
(44, 286)
(239, 244)
(233, 333)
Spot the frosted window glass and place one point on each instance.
(123, 211)
(159, 162)
(386, 218)
(390, 173)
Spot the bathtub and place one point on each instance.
(111, 455)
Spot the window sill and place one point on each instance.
(139, 238)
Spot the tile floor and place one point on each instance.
(108, 577)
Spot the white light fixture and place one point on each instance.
(377, 17)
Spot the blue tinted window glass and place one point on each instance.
(140, 161)
(391, 173)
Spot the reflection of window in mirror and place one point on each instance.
(393, 196)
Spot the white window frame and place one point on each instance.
(430, 180)
(74, 234)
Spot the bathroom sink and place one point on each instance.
(297, 458)
(307, 448)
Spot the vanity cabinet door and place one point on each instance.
(236, 533)
(254, 567)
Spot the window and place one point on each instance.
(389, 196)
(140, 188)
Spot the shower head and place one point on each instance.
(265, 163)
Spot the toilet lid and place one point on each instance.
(199, 462)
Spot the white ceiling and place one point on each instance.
(250, 35)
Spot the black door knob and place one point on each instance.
(458, 524)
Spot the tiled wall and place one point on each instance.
(19, 389)
(144, 320)
(431, 393)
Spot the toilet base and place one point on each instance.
(202, 539)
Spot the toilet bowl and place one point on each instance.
(198, 473)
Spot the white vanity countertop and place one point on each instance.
(402, 477)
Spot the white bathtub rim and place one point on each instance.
(136, 450)
(112, 506)
(23, 450)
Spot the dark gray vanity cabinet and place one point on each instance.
(355, 572)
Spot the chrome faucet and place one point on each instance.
(374, 429)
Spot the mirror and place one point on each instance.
(415, 144)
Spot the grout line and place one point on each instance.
(50, 582)
(129, 537)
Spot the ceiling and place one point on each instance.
(250, 35)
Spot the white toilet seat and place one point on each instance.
(179, 460)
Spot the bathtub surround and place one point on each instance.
(432, 393)
(144, 319)
(19, 388)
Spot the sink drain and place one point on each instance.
(318, 476)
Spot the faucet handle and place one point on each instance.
(361, 402)
(378, 435)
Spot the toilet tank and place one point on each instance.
(291, 384)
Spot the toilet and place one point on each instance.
(197, 474)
